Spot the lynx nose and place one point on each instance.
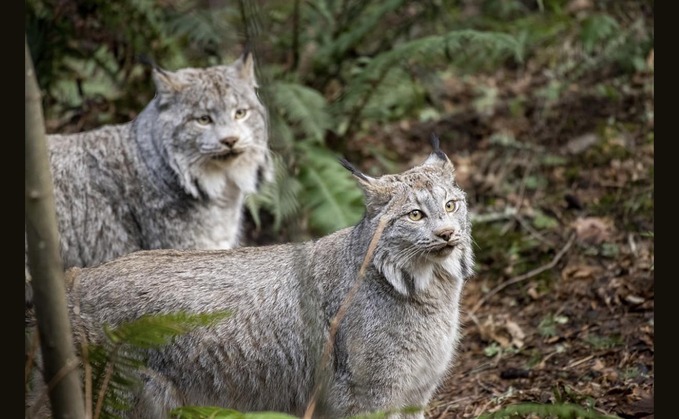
(229, 141)
(445, 233)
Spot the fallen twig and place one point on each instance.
(525, 276)
(493, 216)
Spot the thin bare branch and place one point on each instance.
(525, 276)
(341, 312)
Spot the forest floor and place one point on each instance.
(561, 310)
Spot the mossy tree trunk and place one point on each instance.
(61, 372)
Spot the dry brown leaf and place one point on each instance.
(579, 144)
(580, 272)
(575, 6)
(598, 365)
(516, 333)
(503, 331)
(593, 230)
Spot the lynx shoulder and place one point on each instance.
(174, 177)
(411, 255)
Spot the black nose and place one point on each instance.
(230, 141)
(446, 233)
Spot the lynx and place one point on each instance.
(411, 254)
(174, 177)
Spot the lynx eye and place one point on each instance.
(204, 120)
(451, 206)
(240, 113)
(415, 215)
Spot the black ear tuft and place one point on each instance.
(146, 59)
(436, 145)
(344, 162)
(247, 51)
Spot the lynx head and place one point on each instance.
(428, 228)
(212, 127)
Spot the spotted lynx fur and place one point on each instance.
(396, 341)
(174, 177)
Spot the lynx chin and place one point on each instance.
(394, 345)
(174, 177)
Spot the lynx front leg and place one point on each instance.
(156, 397)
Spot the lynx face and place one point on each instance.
(213, 127)
(428, 227)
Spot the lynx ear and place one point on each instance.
(245, 68)
(437, 156)
(167, 82)
(376, 192)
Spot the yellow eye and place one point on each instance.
(415, 215)
(451, 206)
(204, 120)
(240, 113)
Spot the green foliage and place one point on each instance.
(77, 44)
(331, 195)
(545, 411)
(302, 108)
(427, 52)
(280, 197)
(604, 342)
(597, 29)
(358, 20)
(115, 363)
(549, 323)
(210, 412)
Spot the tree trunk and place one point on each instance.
(61, 371)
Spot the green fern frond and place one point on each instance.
(554, 411)
(330, 194)
(396, 97)
(303, 107)
(205, 26)
(366, 22)
(409, 410)
(443, 48)
(155, 330)
(117, 362)
(210, 412)
(429, 51)
(280, 197)
(596, 29)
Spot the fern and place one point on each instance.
(280, 198)
(331, 197)
(367, 20)
(556, 411)
(424, 51)
(302, 107)
(117, 362)
(597, 29)
(210, 412)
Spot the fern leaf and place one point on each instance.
(210, 412)
(303, 107)
(116, 363)
(330, 194)
(155, 330)
(357, 31)
(426, 51)
(280, 198)
(565, 410)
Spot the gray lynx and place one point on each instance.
(174, 177)
(392, 348)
